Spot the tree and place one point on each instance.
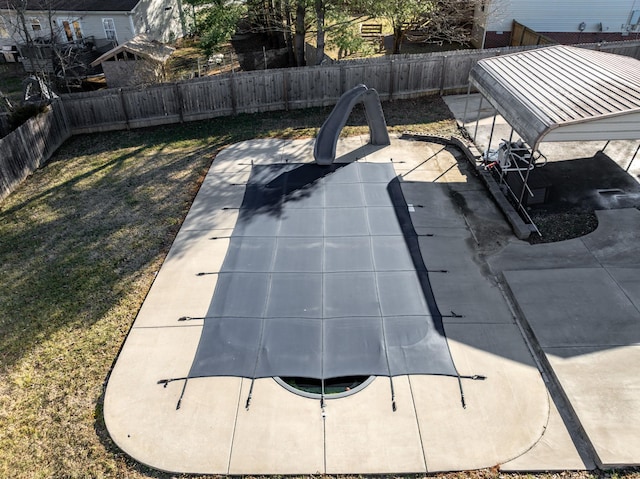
(347, 38)
(316, 17)
(339, 16)
(429, 20)
(275, 19)
(300, 32)
(215, 21)
(35, 41)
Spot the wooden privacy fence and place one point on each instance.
(394, 77)
(28, 147)
(523, 35)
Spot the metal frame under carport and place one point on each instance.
(557, 94)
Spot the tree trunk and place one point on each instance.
(397, 39)
(319, 4)
(300, 33)
(288, 36)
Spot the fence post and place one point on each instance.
(232, 87)
(444, 74)
(124, 109)
(285, 89)
(179, 97)
(391, 78)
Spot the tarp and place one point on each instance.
(323, 278)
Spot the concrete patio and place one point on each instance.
(553, 399)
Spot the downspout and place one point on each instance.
(485, 16)
(183, 21)
(133, 27)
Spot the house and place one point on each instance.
(139, 61)
(117, 21)
(565, 21)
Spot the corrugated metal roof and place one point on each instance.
(539, 91)
(83, 5)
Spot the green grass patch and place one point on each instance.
(80, 242)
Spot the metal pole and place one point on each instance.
(466, 104)
(478, 118)
(503, 173)
(525, 186)
(493, 124)
(634, 157)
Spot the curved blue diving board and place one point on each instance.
(324, 150)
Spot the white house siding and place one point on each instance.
(160, 19)
(90, 23)
(562, 15)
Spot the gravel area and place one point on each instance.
(578, 188)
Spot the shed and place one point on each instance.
(139, 61)
(556, 94)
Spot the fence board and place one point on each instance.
(151, 106)
(30, 146)
(88, 114)
(206, 99)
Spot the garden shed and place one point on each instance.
(139, 61)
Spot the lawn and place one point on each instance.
(80, 242)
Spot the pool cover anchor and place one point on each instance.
(474, 377)
(393, 395)
(250, 395)
(165, 383)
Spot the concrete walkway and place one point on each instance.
(579, 303)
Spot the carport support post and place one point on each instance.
(478, 118)
(502, 173)
(466, 104)
(634, 157)
(493, 124)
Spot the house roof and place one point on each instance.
(83, 5)
(140, 45)
(563, 93)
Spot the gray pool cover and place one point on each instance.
(323, 278)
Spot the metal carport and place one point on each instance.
(562, 93)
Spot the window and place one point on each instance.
(109, 29)
(67, 31)
(70, 31)
(4, 33)
(77, 30)
(35, 25)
